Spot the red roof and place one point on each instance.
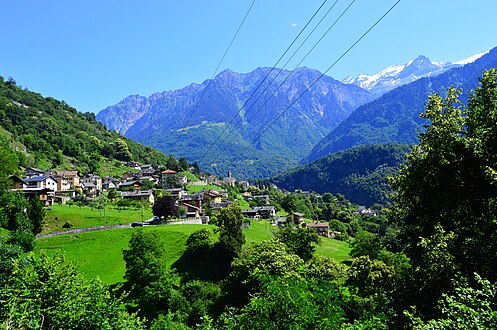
(169, 172)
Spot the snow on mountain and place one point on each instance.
(398, 75)
(470, 59)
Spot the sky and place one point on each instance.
(94, 53)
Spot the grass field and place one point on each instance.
(99, 253)
(193, 188)
(82, 217)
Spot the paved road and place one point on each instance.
(127, 225)
(82, 230)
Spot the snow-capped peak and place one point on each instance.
(397, 75)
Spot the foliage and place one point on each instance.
(57, 134)
(199, 243)
(447, 194)
(165, 207)
(266, 257)
(48, 293)
(231, 237)
(287, 302)
(359, 173)
(465, 308)
(365, 244)
(299, 241)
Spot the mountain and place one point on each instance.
(188, 121)
(53, 135)
(398, 75)
(394, 117)
(359, 173)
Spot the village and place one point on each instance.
(196, 197)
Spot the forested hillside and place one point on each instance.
(53, 134)
(359, 173)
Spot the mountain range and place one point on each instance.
(261, 123)
(190, 122)
(394, 117)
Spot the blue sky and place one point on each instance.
(92, 54)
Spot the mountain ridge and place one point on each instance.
(160, 120)
(394, 117)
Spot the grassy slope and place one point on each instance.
(99, 253)
(86, 217)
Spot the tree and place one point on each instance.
(446, 194)
(199, 243)
(47, 293)
(365, 244)
(121, 150)
(183, 164)
(293, 303)
(265, 257)
(231, 237)
(165, 206)
(300, 241)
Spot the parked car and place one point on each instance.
(136, 224)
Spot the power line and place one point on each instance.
(319, 78)
(274, 78)
(267, 75)
(288, 76)
(217, 68)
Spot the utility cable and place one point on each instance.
(315, 81)
(267, 75)
(274, 78)
(217, 68)
(288, 76)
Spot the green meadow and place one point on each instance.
(82, 217)
(99, 253)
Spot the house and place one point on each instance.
(94, 179)
(193, 200)
(267, 212)
(72, 178)
(42, 187)
(169, 179)
(230, 181)
(175, 192)
(134, 165)
(211, 196)
(322, 228)
(139, 195)
(298, 218)
(264, 197)
(244, 184)
(216, 207)
(260, 212)
(134, 185)
(253, 214)
(33, 172)
(110, 183)
(40, 182)
(47, 196)
(62, 183)
(192, 211)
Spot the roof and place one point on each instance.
(168, 172)
(298, 214)
(318, 225)
(137, 193)
(67, 173)
(37, 178)
(129, 183)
